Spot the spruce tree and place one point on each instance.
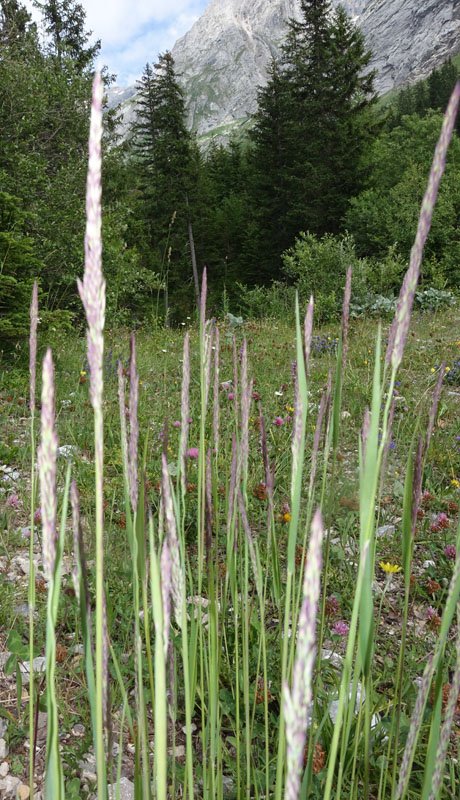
(68, 38)
(318, 134)
(165, 161)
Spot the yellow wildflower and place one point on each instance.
(455, 483)
(390, 569)
(287, 517)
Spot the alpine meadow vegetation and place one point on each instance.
(230, 443)
(230, 582)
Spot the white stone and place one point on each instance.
(39, 667)
(8, 787)
(4, 769)
(22, 792)
(429, 564)
(3, 749)
(386, 530)
(125, 788)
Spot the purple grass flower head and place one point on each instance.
(235, 373)
(400, 327)
(450, 552)
(193, 453)
(216, 407)
(122, 408)
(365, 431)
(208, 340)
(234, 482)
(92, 288)
(340, 628)
(208, 508)
(166, 588)
(446, 728)
(133, 426)
(204, 291)
(317, 436)
(177, 573)
(75, 503)
(246, 397)
(417, 483)
(185, 412)
(12, 501)
(415, 723)
(434, 405)
(250, 541)
(297, 700)
(278, 421)
(47, 455)
(308, 332)
(33, 346)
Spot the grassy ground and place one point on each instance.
(433, 339)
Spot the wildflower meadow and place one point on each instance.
(230, 558)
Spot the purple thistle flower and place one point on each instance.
(176, 423)
(231, 396)
(47, 455)
(133, 425)
(340, 628)
(400, 327)
(185, 410)
(450, 552)
(12, 501)
(193, 452)
(297, 701)
(308, 332)
(278, 421)
(92, 288)
(33, 346)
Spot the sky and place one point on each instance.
(133, 32)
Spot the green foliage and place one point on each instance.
(385, 214)
(275, 301)
(18, 265)
(317, 266)
(164, 164)
(312, 126)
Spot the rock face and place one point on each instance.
(223, 58)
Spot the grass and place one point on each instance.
(265, 560)
(271, 349)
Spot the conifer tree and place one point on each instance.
(318, 134)
(165, 160)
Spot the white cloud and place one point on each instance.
(135, 31)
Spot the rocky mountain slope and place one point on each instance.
(223, 58)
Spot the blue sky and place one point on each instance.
(135, 31)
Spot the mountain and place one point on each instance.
(223, 58)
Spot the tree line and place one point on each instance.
(323, 167)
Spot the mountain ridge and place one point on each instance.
(223, 58)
